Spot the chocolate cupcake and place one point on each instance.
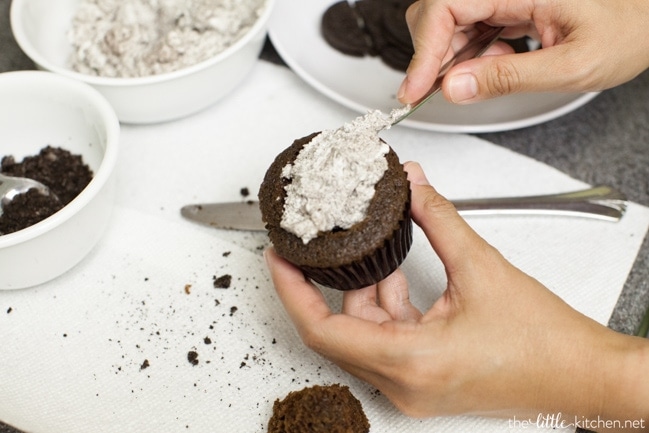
(352, 226)
(319, 409)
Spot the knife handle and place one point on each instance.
(601, 202)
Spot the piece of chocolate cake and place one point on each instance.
(319, 409)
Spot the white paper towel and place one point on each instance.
(73, 350)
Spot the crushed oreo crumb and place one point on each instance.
(222, 282)
(65, 174)
(192, 357)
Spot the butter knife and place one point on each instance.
(600, 202)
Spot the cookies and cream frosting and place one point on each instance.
(333, 177)
(137, 38)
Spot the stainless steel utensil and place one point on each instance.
(600, 202)
(643, 329)
(11, 186)
(474, 48)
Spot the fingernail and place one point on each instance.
(416, 174)
(462, 87)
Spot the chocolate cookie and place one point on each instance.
(395, 25)
(341, 30)
(372, 24)
(519, 45)
(370, 28)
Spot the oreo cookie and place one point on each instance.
(394, 23)
(372, 17)
(370, 28)
(342, 29)
(519, 45)
(396, 58)
(378, 28)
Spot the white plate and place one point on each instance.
(366, 83)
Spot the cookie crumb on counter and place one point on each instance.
(222, 282)
(192, 357)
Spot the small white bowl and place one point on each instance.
(40, 27)
(38, 109)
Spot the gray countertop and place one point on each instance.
(606, 141)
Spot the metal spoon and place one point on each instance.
(474, 48)
(11, 186)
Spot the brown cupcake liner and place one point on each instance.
(371, 269)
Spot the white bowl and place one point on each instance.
(40, 27)
(41, 108)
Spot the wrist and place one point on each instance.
(623, 404)
(601, 380)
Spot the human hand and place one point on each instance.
(587, 45)
(496, 343)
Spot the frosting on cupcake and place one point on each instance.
(333, 177)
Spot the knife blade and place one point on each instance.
(600, 202)
(228, 216)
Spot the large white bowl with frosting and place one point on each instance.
(41, 29)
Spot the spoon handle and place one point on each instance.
(601, 202)
(474, 48)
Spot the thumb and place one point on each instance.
(454, 241)
(492, 76)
